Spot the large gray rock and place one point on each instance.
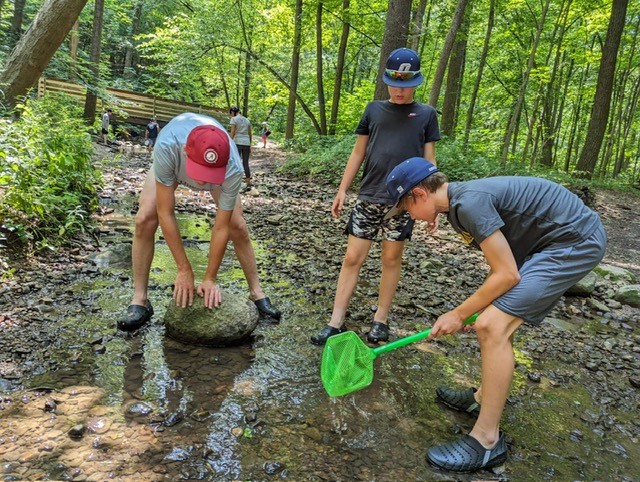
(614, 273)
(629, 295)
(229, 324)
(585, 286)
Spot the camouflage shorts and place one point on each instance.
(367, 219)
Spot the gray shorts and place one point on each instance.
(367, 219)
(545, 276)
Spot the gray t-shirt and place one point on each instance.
(396, 133)
(532, 213)
(169, 159)
(241, 136)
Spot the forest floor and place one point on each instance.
(58, 311)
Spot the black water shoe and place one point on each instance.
(266, 309)
(467, 455)
(462, 400)
(137, 315)
(379, 332)
(325, 333)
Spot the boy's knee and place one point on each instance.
(238, 231)
(146, 221)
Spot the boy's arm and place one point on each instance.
(350, 171)
(430, 152)
(503, 276)
(184, 285)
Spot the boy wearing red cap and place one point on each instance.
(192, 150)
(388, 133)
(539, 239)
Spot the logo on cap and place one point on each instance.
(211, 156)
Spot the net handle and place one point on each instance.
(407, 340)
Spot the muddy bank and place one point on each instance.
(80, 401)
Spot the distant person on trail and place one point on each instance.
(241, 135)
(193, 150)
(151, 134)
(389, 132)
(539, 239)
(265, 133)
(106, 121)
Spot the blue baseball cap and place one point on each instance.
(407, 175)
(403, 69)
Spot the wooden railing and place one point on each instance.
(129, 106)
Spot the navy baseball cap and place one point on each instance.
(405, 177)
(403, 69)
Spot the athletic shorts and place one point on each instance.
(545, 276)
(105, 131)
(367, 219)
(152, 141)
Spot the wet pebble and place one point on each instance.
(76, 432)
(273, 467)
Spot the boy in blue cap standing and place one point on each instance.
(539, 239)
(388, 133)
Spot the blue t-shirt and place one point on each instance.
(169, 159)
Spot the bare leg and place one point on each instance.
(144, 240)
(495, 331)
(239, 234)
(391, 267)
(357, 251)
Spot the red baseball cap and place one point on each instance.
(207, 151)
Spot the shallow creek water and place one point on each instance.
(148, 408)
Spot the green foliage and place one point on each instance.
(321, 158)
(47, 182)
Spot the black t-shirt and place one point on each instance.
(396, 133)
(152, 128)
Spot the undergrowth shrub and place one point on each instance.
(48, 185)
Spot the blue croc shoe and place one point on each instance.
(467, 455)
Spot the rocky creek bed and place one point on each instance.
(79, 401)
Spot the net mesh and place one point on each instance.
(347, 364)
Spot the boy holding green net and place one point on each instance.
(539, 239)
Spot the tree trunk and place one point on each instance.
(396, 31)
(16, 22)
(436, 85)
(481, 64)
(604, 87)
(128, 69)
(73, 49)
(94, 61)
(36, 47)
(416, 25)
(342, 49)
(322, 105)
(455, 74)
(295, 67)
(514, 120)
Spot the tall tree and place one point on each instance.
(94, 60)
(514, 119)
(16, 22)
(455, 74)
(481, 64)
(322, 105)
(604, 88)
(396, 32)
(342, 49)
(36, 47)
(130, 50)
(445, 53)
(295, 68)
